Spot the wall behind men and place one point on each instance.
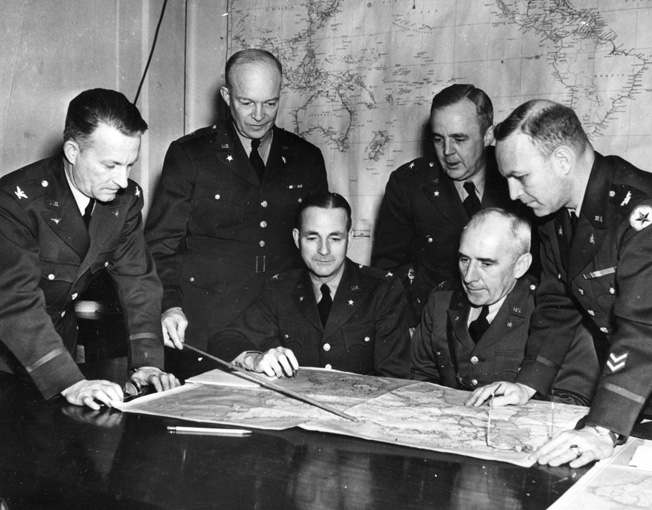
(51, 51)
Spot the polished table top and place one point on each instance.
(54, 455)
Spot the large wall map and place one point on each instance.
(360, 75)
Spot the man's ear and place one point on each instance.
(71, 151)
(489, 136)
(522, 265)
(295, 235)
(564, 159)
(226, 95)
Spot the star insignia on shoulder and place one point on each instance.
(641, 217)
(56, 220)
(389, 274)
(510, 324)
(411, 165)
(350, 302)
(436, 193)
(20, 193)
(229, 158)
(137, 193)
(283, 158)
(301, 298)
(275, 277)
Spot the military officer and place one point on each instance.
(221, 218)
(62, 220)
(428, 201)
(475, 334)
(596, 252)
(331, 314)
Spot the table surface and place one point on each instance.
(54, 455)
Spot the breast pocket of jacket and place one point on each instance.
(359, 343)
(216, 208)
(56, 280)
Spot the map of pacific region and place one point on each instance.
(359, 76)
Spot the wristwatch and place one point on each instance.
(605, 432)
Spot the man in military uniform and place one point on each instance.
(429, 200)
(475, 334)
(331, 314)
(595, 266)
(62, 220)
(222, 215)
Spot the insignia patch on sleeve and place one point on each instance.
(641, 217)
(616, 362)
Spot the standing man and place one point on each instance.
(473, 335)
(429, 200)
(596, 268)
(331, 314)
(221, 218)
(62, 220)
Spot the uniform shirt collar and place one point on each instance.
(333, 285)
(265, 144)
(478, 179)
(493, 311)
(80, 199)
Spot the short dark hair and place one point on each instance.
(548, 124)
(250, 56)
(323, 200)
(455, 93)
(101, 106)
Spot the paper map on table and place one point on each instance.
(403, 412)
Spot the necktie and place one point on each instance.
(324, 305)
(573, 224)
(472, 202)
(256, 161)
(88, 212)
(479, 325)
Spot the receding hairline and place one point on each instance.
(517, 229)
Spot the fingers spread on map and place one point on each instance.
(502, 393)
(276, 362)
(574, 447)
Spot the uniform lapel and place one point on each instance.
(458, 314)
(107, 217)
(279, 157)
(511, 315)
(350, 295)
(232, 155)
(62, 214)
(591, 227)
(441, 193)
(304, 300)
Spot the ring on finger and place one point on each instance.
(576, 450)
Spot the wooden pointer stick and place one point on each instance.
(263, 382)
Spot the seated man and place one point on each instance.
(333, 313)
(476, 334)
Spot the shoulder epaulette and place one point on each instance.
(626, 197)
(25, 191)
(374, 272)
(205, 131)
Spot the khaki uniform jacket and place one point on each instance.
(444, 353)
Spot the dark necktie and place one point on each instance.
(256, 161)
(479, 325)
(88, 212)
(573, 224)
(472, 202)
(325, 304)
